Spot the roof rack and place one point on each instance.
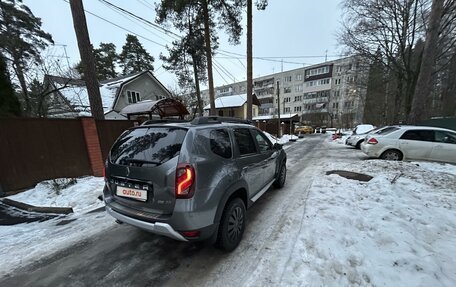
(218, 120)
(163, 121)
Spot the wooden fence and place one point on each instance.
(33, 150)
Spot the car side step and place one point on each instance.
(261, 192)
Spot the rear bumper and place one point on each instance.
(157, 227)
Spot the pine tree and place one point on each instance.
(105, 61)
(187, 57)
(134, 58)
(9, 104)
(21, 41)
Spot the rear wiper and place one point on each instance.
(139, 162)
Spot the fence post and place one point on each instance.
(92, 141)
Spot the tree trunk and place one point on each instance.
(421, 104)
(197, 85)
(207, 39)
(249, 60)
(20, 76)
(87, 59)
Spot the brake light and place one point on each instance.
(190, 234)
(185, 177)
(372, 141)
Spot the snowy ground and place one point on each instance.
(395, 230)
(25, 243)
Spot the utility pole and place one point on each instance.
(87, 59)
(249, 60)
(278, 109)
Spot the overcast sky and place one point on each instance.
(305, 29)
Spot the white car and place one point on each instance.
(358, 135)
(412, 143)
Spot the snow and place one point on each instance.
(378, 233)
(395, 230)
(25, 243)
(283, 140)
(81, 196)
(229, 101)
(269, 117)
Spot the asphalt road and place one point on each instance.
(126, 256)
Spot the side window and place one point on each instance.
(220, 143)
(445, 137)
(244, 141)
(419, 135)
(263, 142)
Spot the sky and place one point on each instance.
(305, 29)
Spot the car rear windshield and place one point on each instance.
(147, 146)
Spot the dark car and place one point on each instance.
(191, 181)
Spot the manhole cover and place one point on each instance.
(350, 175)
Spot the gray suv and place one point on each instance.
(193, 180)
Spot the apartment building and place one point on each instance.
(326, 94)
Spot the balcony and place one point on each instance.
(315, 100)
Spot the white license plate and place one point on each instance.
(132, 193)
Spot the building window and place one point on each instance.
(287, 90)
(287, 99)
(297, 109)
(133, 97)
(287, 79)
(298, 88)
(298, 98)
(287, 109)
(299, 77)
(337, 81)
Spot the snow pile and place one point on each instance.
(395, 230)
(80, 194)
(25, 243)
(286, 138)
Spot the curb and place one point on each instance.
(39, 209)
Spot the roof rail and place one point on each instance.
(163, 121)
(219, 120)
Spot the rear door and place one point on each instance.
(268, 155)
(142, 166)
(417, 144)
(249, 160)
(444, 147)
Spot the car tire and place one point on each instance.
(358, 144)
(281, 176)
(232, 225)
(392, 154)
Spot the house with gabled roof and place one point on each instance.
(234, 106)
(69, 97)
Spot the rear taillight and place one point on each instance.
(372, 141)
(185, 177)
(104, 172)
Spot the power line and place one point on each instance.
(137, 23)
(120, 27)
(166, 31)
(216, 69)
(146, 4)
(225, 71)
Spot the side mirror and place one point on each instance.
(277, 146)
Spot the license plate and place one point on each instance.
(137, 194)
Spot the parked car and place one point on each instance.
(356, 139)
(191, 181)
(412, 143)
(303, 130)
